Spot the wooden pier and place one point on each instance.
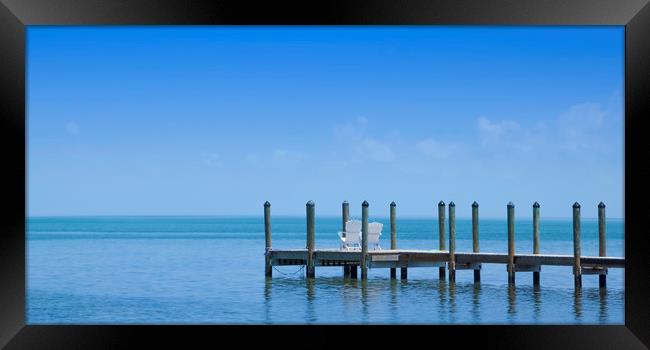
(447, 260)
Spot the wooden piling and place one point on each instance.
(268, 271)
(452, 242)
(602, 249)
(511, 243)
(441, 233)
(345, 217)
(364, 239)
(311, 237)
(403, 275)
(393, 236)
(536, 239)
(577, 271)
(475, 246)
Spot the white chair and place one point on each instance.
(352, 239)
(374, 232)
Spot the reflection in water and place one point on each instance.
(404, 289)
(442, 300)
(452, 301)
(394, 307)
(267, 299)
(311, 313)
(602, 314)
(537, 301)
(512, 296)
(335, 300)
(364, 300)
(476, 291)
(349, 297)
(577, 303)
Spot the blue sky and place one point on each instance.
(216, 120)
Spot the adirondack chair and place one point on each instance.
(374, 232)
(351, 238)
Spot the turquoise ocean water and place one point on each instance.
(210, 270)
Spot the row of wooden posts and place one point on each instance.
(351, 271)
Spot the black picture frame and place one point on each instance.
(16, 14)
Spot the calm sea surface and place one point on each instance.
(192, 270)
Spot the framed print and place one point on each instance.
(435, 169)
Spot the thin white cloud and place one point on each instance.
(493, 132)
(355, 136)
(579, 126)
(72, 128)
(354, 130)
(376, 150)
(433, 148)
(586, 114)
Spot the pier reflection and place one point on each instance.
(385, 300)
(577, 303)
(602, 310)
(476, 300)
(512, 298)
(394, 306)
(310, 312)
(364, 301)
(349, 299)
(452, 299)
(268, 284)
(442, 300)
(537, 301)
